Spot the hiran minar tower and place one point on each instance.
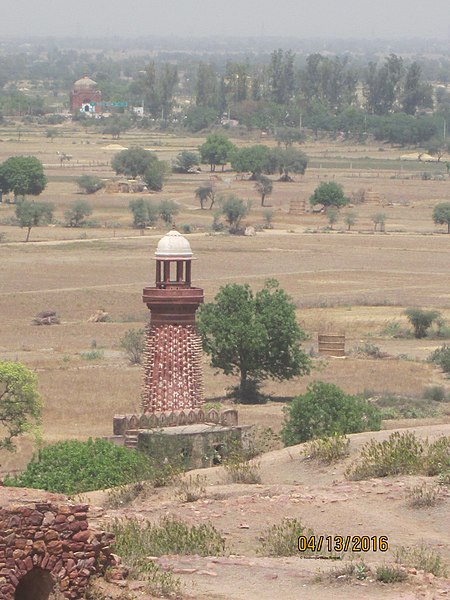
(172, 355)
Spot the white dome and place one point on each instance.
(173, 245)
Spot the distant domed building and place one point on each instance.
(85, 96)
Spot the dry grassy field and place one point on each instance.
(354, 282)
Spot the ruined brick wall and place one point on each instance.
(46, 537)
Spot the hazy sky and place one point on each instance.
(190, 18)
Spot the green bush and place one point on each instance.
(326, 410)
(422, 557)
(328, 449)
(421, 320)
(401, 454)
(441, 357)
(132, 343)
(282, 539)
(137, 539)
(388, 574)
(436, 393)
(73, 467)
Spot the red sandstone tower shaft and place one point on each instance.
(172, 356)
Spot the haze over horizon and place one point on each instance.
(351, 19)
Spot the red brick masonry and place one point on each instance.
(55, 537)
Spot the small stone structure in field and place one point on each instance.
(47, 549)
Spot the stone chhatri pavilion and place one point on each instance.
(172, 395)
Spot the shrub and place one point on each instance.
(328, 449)
(441, 357)
(132, 343)
(435, 392)
(192, 489)
(90, 184)
(421, 320)
(238, 467)
(282, 539)
(369, 350)
(123, 495)
(423, 495)
(170, 536)
(167, 209)
(92, 355)
(76, 215)
(73, 467)
(326, 410)
(400, 454)
(388, 574)
(423, 558)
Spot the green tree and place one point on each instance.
(329, 193)
(185, 160)
(90, 184)
(199, 117)
(116, 125)
(252, 159)
(421, 320)
(156, 174)
(33, 214)
(281, 76)
(326, 410)
(206, 86)
(350, 219)
(379, 219)
(415, 94)
(167, 210)
(441, 214)
(22, 175)
(332, 215)
(144, 213)
(288, 160)
(20, 403)
(264, 187)
(234, 210)
(133, 162)
(133, 343)
(254, 336)
(288, 136)
(77, 213)
(204, 193)
(217, 150)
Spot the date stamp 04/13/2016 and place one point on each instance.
(343, 543)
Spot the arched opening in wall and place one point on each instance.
(37, 584)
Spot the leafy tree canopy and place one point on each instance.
(133, 162)
(254, 336)
(90, 184)
(329, 193)
(441, 214)
(33, 214)
(144, 213)
(253, 159)
(185, 160)
(77, 213)
(217, 150)
(234, 210)
(20, 403)
(288, 160)
(22, 175)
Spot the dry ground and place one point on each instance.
(355, 282)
